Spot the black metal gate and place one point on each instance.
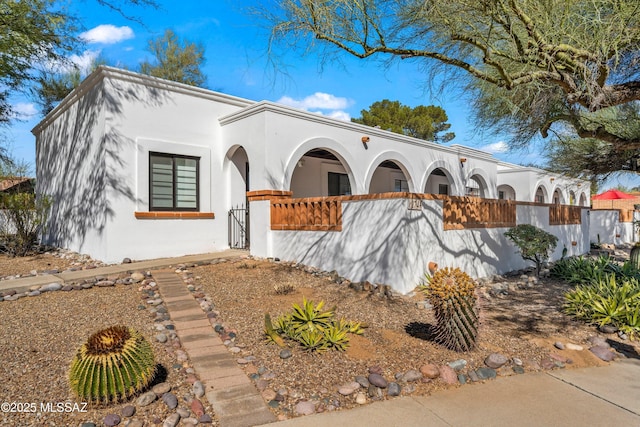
(239, 227)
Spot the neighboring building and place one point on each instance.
(17, 185)
(141, 167)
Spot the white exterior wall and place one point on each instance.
(382, 241)
(605, 225)
(525, 181)
(70, 169)
(111, 181)
(280, 136)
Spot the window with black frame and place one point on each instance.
(173, 182)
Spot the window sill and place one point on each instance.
(174, 215)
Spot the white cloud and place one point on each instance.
(24, 110)
(84, 61)
(107, 34)
(324, 104)
(496, 148)
(320, 100)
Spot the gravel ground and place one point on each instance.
(39, 336)
(524, 324)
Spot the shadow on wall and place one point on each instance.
(383, 241)
(79, 161)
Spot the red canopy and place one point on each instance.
(612, 195)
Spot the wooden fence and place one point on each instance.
(311, 214)
(564, 214)
(472, 212)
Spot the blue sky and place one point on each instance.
(237, 64)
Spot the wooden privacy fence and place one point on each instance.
(472, 212)
(311, 214)
(626, 215)
(458, 213)
(564, 214)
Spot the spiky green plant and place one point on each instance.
(451, 292)
(313, 328)
(634, 256)
(114, 364)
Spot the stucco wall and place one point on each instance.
(382, 241)
(93, 157)
(606, 228)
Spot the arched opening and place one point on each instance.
(389, 177)
(238, 175)
(572, 198)
(541, 195)
(320, 173)
(558, 198)
(476, 186)
(439, 182)
(506, 192)
(583, 200)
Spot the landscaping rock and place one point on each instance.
(559, 345)
(608, 329)
(305, 408)
(458, 365)
(378, 380)
(161, 388)
(361, 399)
(161, 338)
(137, 277)
(205, 419)
(128, 411)
(603, 353)
(495, 360)
(411, 376)
(197, 408)
(448, 375)
(51, 287)
(111, 420)
(363, 381)
(198, 389)
(146, 399)
(285, 353)
(485, 373)
(171, 421)
(393, 389)
(430, 371)
(348, 389)
(170, 400)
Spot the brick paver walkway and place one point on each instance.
(232, 395)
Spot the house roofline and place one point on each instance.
(104, 71)
(268, 106)
(514, 168)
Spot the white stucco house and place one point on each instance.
(142, 167)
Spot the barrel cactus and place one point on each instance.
(634, 256)
(114, 364)
(451, 292)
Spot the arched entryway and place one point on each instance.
(476, 186)
(390, 176)
(321, 172)
(541, 195)
(506, 192)
(237, 169)
(440, 181)
(558, 197)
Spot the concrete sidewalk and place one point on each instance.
(24, 283)
(606, 396)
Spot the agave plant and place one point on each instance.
(310, 317)
(114, 364)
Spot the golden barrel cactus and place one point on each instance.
(114, 364)
(452, 294)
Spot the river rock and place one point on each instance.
(393, 389)
(495, 360)
(146, 398)
(430, 371)
(198, 389)
(172, 420)
(574, 347)
(128, 411)
(197, 408)
(161, 388)
(603, 353)
(458, 365)
(411, 376)
(111, 420)
(378, 380)
(170, 400)
(448, 375)
(305, 408)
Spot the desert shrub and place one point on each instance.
(22, 218)
(114, 364)
(581, 270)
(451, 292)
(533, 243)
(609, 300)
(283, 288)
(311, 327)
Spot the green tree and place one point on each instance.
(175, 59)
(533, 243)
(35, 34)
(581, 54)
(424, 122)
